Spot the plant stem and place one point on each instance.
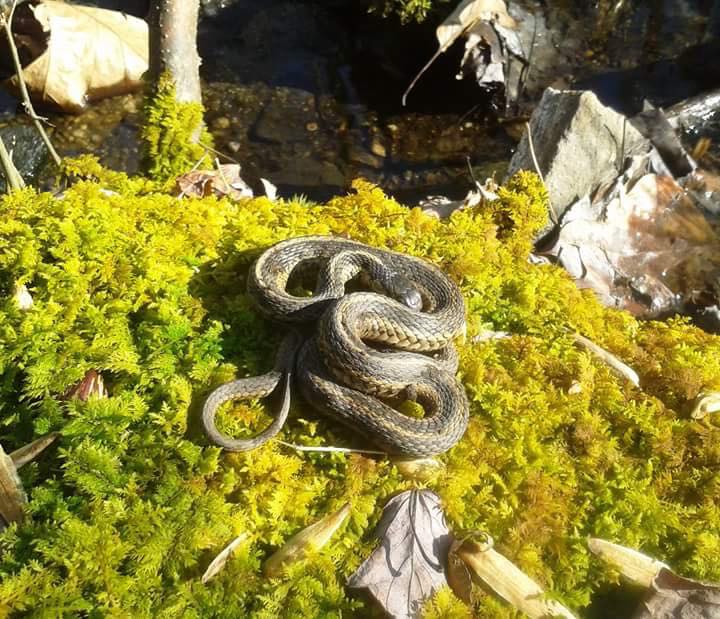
(27, 104)
(14, 180)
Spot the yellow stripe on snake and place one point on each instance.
(352, 354)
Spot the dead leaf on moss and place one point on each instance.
(310, 539)
(223, 181)
(218, 563)
(672, 596)
(408, 566)
(73, 54)
(489, 567)
(91, 386)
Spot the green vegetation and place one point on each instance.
(172, 133)
(130, 507)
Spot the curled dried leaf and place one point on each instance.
(310, 539)
(23, 298)
(458, 574)
(633, 565)
(620, 368)
(29, 452)
(706, 403)
(508, 581)
(91, 386)
(12, 495)
(218, 563)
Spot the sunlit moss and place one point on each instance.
(130, 509)
(172, 133)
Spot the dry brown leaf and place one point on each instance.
(12, 495)
(468, 13)
(224, 181)
(91, 53)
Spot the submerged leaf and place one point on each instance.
(310, 539)
(408, 566)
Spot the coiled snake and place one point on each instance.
(368, 349)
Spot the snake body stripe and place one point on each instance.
(345, 366)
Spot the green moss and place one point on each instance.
(132, 505)
(172, 133)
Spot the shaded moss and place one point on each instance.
(130, 509)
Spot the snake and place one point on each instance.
(378, 329)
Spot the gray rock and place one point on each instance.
(579, 144)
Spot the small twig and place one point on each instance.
(345, 450)
(12, 176)
(553, 217)
(620, 368)
(217, 152)
(27, 104)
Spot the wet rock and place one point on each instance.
(286, 116)
(27, 150)
(579, 143)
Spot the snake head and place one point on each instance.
(402, 289)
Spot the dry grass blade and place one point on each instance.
(12, 176)
(611, 360)
(218, 563)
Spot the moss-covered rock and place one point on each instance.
(130, 509)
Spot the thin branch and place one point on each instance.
(344, 450)
(12, 176)
(27, 104)
(553, 217)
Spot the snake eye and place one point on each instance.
(405, 292)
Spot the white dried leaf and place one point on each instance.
(218, 563)
(270, 189)
(23, 298)
(509, 581)
(632, 564)
(310, 539)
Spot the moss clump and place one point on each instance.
(130, 508)
(172, 132)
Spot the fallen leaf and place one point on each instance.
(27, 453)
(91, 386)
(408, 566)
(224, 181)
(641, 245)
(12, 495)
(489, 28)
(637, 567)
(508, 581)
(218, 563)
(673, 596)
(85, 53)
(23, 298)
(706, 403)
(310, 539)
